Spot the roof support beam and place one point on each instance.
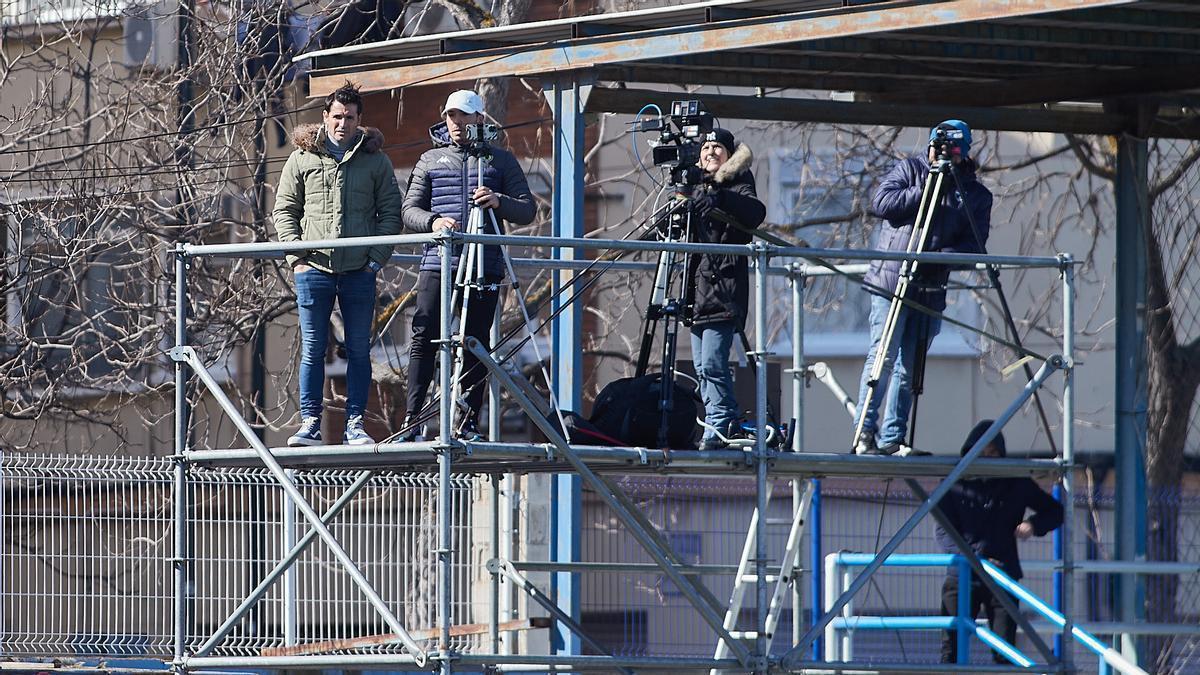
(1063, 86)
(1062, 35)
(948, 53)
(753, 32)
(630, 101)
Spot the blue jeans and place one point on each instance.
(896, 378)
(711, 343)
(355, 294)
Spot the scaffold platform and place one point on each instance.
(482, 457)
(759, 583)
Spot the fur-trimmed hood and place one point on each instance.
(440, 135)
(739, 161)
(310, 137)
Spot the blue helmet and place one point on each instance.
(964, 143)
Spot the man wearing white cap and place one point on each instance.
(443, 186)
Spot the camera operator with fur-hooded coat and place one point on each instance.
(727, 208)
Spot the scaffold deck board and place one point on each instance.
(523, 458)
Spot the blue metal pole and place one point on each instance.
(1112, 656)
(1132, 218)
(965, 616)
(816, 565)
(567, 97)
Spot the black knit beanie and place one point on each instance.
(724, 137)
(977, 433)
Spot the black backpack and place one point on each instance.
(628, 409)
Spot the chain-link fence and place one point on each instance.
(1172, 352)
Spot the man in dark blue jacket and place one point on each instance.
(961, 223)
(441, 190)
(990, 514)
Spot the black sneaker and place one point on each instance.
(469, 431)
(413, 431)
(888, 449)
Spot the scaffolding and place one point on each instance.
(737, 650)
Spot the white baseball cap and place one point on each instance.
(464, 100)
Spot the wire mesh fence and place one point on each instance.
(88, 550)
(1172, 416)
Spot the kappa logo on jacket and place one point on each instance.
(444, 159)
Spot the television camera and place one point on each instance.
(680, 136)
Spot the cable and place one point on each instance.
(633, 143)
(163, 169)
(176, 134)
(887, 488)
(429, 411)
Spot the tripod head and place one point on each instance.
(480, 136)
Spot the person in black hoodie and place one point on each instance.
(727, 208)
(961, 223)
(990, 514)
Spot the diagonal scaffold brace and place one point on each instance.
(505, 568)
(793, 659)
(289, 558)
(189, 356)
(606, 491)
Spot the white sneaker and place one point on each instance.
(355, 434)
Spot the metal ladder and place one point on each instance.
(747, 579)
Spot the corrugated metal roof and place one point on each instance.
(571, 28)
(983, 53)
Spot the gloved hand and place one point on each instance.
(704, 202)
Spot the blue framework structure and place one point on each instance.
(567, 96)
(964, 624)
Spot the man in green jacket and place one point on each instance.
(336, 184)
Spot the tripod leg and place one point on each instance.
(667, 384)
(658, 296)
(918, 376)
(994, 278)
(471, 253)
(516, 285)
(747, 348)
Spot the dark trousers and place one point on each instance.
(999, 620)
(427, 327)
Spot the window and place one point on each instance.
(75, 296)
(20, 12)
(687, 545)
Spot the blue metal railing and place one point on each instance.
(962, 622)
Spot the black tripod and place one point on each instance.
(668, 301)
